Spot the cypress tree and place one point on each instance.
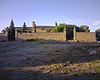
(11, 32)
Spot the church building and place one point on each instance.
(34, 28)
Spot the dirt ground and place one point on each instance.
(49, 60)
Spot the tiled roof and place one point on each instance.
(29, 28)
(43, 27)
(20, 28)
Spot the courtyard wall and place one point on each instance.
(86, 36)
(59, 36)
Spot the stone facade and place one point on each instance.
(32, 29)
(59, 36)
(84, 36)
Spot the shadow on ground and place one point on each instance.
(32, 75)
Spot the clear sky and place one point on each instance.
(46, 12)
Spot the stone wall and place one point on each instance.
(3, 34)
(3, 37)
(59, 36)
(86, 36)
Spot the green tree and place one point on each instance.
(24, 28)
(57, 29)
(11, 32)
(85, 28)
(47, 30)
(3, 31)
(69, 28)
(98, 34)
(62, 25)
(56, 24)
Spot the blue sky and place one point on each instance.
(46, 12)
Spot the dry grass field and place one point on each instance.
(49, 60)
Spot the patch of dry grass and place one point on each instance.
(63, 68)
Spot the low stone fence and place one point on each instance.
(3, 37)
(86, 36)
(59, 36)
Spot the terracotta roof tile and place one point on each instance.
(29, 28)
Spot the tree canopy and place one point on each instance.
(69, 28)
(47, 30)
(85, 28)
